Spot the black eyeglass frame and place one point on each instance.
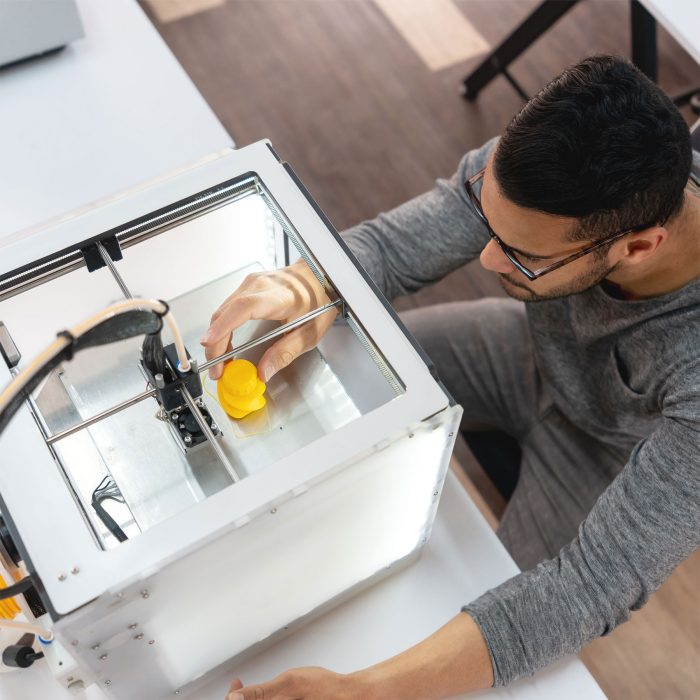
(510, 253)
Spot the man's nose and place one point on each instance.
(494, 259)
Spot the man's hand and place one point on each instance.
(280, 295)
(302, 684)
(453, 660)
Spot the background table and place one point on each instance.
(681, 19)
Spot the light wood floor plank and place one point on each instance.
(436, 30)
(171, 10)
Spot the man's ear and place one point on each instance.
(640, 246)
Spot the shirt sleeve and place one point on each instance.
(641, 527)
(424, 239)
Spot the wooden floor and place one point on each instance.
(346, 95)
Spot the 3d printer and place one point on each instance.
(162, 537)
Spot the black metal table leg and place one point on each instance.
(536, 24)
(644, 40)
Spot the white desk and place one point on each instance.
(681, 19)
(109, 111)
(116, 110)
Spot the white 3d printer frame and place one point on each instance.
(177, 585)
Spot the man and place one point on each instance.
(585, 210)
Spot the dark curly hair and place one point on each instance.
(600, 143)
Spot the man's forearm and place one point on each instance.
(453, 660)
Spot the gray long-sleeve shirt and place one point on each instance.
(627, 372)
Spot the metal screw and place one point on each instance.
(177, 692)
(188, 439)
(75, 570)
(145, 594)
(138, 637)
(450, 434)
(133, 626)
(95, 647)
(214, 427)
(273, 511)
(103, 657)
(108, 682)
(435, 493)
(152, 641)
(62, 577)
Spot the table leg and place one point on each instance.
(536, 24)
(644, 54)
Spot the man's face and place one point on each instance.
(539, 240)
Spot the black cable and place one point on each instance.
(15, 589)
(127, 325)
(120, 327)
(107, 489)
(153, 355)
(152, 352)
(109, 522)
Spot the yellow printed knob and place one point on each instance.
(239, 389)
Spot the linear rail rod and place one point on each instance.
(202, 368)
(209, 434)
(113, 269)
(272, 334)
(100, 416)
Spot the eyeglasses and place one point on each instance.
(512, 255)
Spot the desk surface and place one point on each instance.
(114, 110)
(107, 112)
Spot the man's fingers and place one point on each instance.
(216, 350)
(273, 690)
(232, 314)
(228, 317)
(236, 311)
(296, 343)
(235, 685)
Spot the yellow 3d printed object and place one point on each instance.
(8, 607)
(239, 389)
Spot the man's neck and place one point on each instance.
(675, 265)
